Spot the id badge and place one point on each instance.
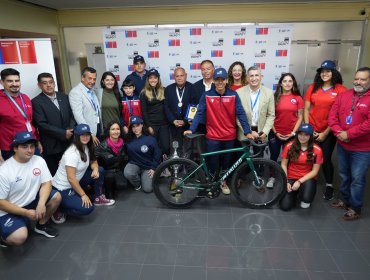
(349, 120)
(29, 126)
(97, 119)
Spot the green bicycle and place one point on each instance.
(255, 183)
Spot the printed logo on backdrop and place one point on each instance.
(285, 42)
(283, 30)
(195, 42)
(111, 45)
(219, 43)
(239, 42)
(260, 42)
(153, 54)
(111, 56)
(114, 69)
(111, 35)
(238, 54)
(131, 34)
(274, 87)
(175, 33)
(281, 66)
(262, 53)
(194, 66)
(131, 56)
(195, 77)
(198, 54)
(118, 77)
(195, 31)
(174, 42)
(218, 31)
(281, 53)
(131, 68)
(174, 54)
(151, 33)
(172, 68)
(217, 53)
(242, 32)
(261, 66)
(262, 31)
(155, 44)
(132, 44)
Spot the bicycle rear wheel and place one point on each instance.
(176, 190)
(272, 183)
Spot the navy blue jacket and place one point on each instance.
(172, 110)
(199, 89)
(144, 152)
(138, 81)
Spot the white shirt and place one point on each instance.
(255, 102)
(71, 157)
(20, 182)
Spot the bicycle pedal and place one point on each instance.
(212, 194)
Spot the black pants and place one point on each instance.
(162, 134)
(184, 149)
(327, 147)
(114, 180)
(52, 162)
(306, 193)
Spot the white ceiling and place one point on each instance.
(90, 4)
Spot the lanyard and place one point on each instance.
(255, 101)
(354, 104)
(90, 93)
(130, 109)
(180, 94)
(23, 112)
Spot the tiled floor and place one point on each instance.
(138, 238)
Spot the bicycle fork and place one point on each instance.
(257, 181)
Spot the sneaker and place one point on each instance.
(137, 188)
(58, 217)
(103, 201)
(339, 204)
(225, 189)
(46, 230)
(329, 193)
(305, 205)
(2, 243)
(270, 183)
(351, 215)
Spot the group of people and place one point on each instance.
(94, 142)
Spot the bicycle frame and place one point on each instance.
(203, 165)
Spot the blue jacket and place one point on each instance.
(144, 152)
(138, 81)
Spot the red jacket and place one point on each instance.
(359, 130)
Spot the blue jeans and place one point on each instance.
(353, 167)
(214, 161)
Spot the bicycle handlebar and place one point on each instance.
(254, 143)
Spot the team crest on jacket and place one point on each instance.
(144, 148)
(293, 101)
(36, 172)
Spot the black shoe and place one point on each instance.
(2, 243)
(329, 193)
(46, 230)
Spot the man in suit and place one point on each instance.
(178, 96)
(53, 117)
(206, 83)
(258, 103)
(85, 105)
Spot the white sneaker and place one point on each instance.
(270, 183)
(305, 205)
(225, 188)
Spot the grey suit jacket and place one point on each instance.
(82, 108)
(266, 109)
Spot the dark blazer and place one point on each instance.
(173, 112)
(199, 89)
(52, 123)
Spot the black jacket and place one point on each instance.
(109, 160)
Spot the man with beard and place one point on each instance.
(349, 120)
(15, 111)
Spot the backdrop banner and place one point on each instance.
(266, 46)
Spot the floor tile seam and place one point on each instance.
(57, 251)
(352, 241)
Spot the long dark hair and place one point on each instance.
(90, 146)
(230, 74)
(295, 150)
(107, 128)
(318, 82)
(131, 136)
(279, 88)
(115, 87)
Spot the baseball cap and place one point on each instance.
(139, 58)
(136, 120)
(81, 128)
(327, 65)
(306, 128)
(153, 72)
(220, 73)
(23, 137)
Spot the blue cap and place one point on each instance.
(220, 73)
(136, 120)
(327, 65)
(306, 128)
(23, 137)
(81, 128)
(153, 72)
(139, 58)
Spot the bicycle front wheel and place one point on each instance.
(263, 190)
(176, 183)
